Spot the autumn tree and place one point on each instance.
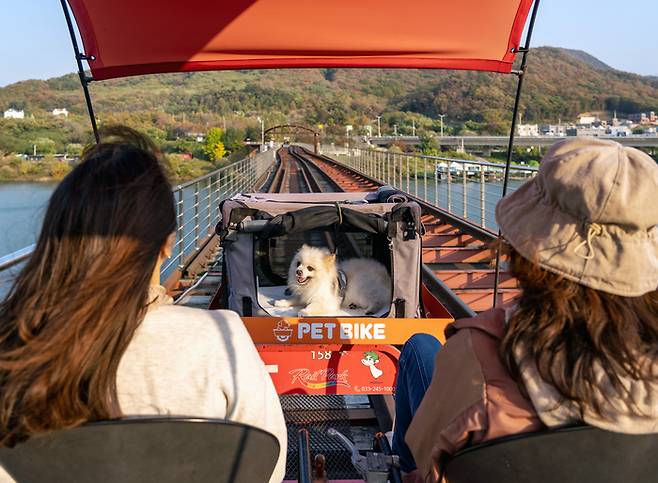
(214, 146)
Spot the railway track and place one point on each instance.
(361, 417)
(458, 269)
(459, 263)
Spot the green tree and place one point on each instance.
(429, 145)
(44, 145)
(74, 149)
(214, 146)
(233, 140)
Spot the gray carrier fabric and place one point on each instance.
(246, 217)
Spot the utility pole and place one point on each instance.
(395, 130)
(379, 127)
(442, 116)
(413, 127)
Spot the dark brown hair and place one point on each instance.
(566, 329)
(73, 309)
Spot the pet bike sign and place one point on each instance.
(337, 330)
(331, 369)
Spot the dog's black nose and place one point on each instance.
(299, 272)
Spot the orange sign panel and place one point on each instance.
(336, 330)
(331, 369)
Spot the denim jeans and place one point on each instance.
(415, 369)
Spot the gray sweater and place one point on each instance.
(202, 363)
(192, 362)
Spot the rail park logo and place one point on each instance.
(319, 379)
(370, 360)
(282, 331)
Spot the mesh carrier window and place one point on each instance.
(273, 255)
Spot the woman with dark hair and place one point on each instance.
(87, 333)
(581, 343)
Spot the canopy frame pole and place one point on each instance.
(510, 146)
(84, 78)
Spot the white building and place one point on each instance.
(553, 129)
(14, 114)
(61, 112)
(527, 130)
(587, 120)
(620, 131)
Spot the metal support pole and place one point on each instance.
(425, 178)
(515, 114)
(388, 169)
(180, 217)
(482, 198)
(197, 211)
(449, 179)
(436, 183)
(416, 177)
(464, 200)
(84, 79)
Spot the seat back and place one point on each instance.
(567, 455)
(144, 450)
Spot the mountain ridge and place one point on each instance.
(560, 84)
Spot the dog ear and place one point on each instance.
(330, 258)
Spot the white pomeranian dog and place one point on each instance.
(322, 286)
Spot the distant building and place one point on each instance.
(61, 112)
(14, 114)
(198, 136)
(552, 129)
(643, 117)
(528, 130)
(620, 131)
(586, 131)
(587, 120)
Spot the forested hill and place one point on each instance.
(560, 84)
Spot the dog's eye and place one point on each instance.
(310, 269)
(299, 263)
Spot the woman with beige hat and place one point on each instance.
(581, 343)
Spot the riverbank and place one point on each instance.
(15, 169)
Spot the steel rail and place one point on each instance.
(468, 227)
(451, 300)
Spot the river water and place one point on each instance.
(22, 207)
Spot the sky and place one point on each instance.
(35, 43)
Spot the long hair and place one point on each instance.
(74, 308)
(571, 332)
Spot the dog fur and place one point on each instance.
(368, 285)
(313, 283)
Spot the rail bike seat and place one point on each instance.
(566, 455)
(146, 450)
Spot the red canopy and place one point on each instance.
(131, 37)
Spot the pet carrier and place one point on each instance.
(262, 232)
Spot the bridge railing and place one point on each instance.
(197, 203)
(197, 211)
(467, 188)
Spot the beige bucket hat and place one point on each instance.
(591, 215)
